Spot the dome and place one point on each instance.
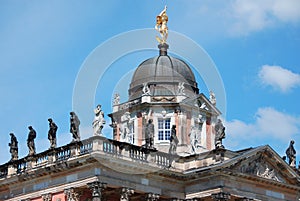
(163, 74)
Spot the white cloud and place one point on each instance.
(268, 124)
(255, 15)
(236, 17)
(279, 78)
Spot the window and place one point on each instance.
(131, 133)
(164, 129)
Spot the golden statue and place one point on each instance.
(161, 26)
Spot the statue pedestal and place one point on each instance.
(11, 170)
(115, 108)
(146, 99)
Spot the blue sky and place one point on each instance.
(254, 44)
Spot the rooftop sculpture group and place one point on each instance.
(74, 129)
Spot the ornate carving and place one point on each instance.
(71, 194)
(146, 90)
(259, 168)
(181, 89)
(212, 98)
(125, 193)
(163, 99)
(222, 196)
(116, 100)
(47, 197)
(97, 188)
(151, 197)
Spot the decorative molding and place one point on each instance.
(163, 99)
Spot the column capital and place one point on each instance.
(221, 196)
(71, 194)
(126, 193)
(97, 187)
(47, 197)
(151, 197)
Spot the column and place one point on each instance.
(71, 194)
(151, 197)
(222, 196)
(97, 188)
(47, 197)
(126, 193)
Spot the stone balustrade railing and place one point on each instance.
(97, 144)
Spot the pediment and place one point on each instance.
(265, 163)
(202, 103)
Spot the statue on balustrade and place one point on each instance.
(173, 140)
(291, 154)
(30, 140)
(149, 134)
(52, 133)
(99, 121)
(220, 134)
(74, 126)
(13, 147)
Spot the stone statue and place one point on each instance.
(99, 121)
(291, 154)
(194, 139)
(173, 140)
(161, 26)
(181, 88)
(13, 147)
(149, 134)
(30, 140)
(212, 98)
(220, 134)
(74, 126)
(52, 133)
(146, 90)
(116, 99)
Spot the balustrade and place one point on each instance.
(76, 149)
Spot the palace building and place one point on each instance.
(167, 145)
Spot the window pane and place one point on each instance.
(160, 135)
(167, 124)
(167, 135)
(160, 124)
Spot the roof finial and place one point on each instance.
(161, 26)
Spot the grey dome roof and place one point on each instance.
(162, 73)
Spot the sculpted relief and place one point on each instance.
(260, 168)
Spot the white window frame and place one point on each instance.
(164, 129)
